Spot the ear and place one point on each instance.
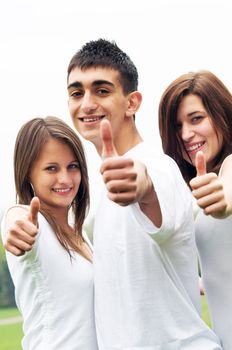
(134, 102)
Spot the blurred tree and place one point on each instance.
(6, 285)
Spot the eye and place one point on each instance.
(102, 91)
(76, 93)
(73, 166)
(51, 168)
(196, 119)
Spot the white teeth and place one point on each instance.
(194, 147)
(91, 119)
(61, 190)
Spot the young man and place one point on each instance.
(145, 261)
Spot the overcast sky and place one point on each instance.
(164, 38)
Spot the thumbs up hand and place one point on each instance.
(118, 172)
(22, 227)
(208, 190)
(122, 176)
(200, 163)
(34, 210)
(108, 148)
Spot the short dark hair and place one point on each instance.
(106, 54)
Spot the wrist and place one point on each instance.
(148, 193)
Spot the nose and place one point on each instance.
(63, 176)
(88, 103)
(186, 132)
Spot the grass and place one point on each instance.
(9, 312)
(205, 311)
(10, 334)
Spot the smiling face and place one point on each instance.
(196, 130)
(94, 94)
(55, 176)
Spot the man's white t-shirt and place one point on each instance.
(146, 278)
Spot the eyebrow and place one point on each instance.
(194, 112)
(96, 83)
(56, 163)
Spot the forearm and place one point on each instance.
(149, 203)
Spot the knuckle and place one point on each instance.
(11, 230)
(18, 223)
(28, 248)
(199, 202)
(106, 177)
(133, 188)
(130, 162)
(133, 175)
(18, 253)
(34, 232)
(206, 212)
(32, 240)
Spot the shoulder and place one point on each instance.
(16, 211)
(226, 166)
(145, 152)
(13, 214)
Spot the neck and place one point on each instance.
(126, 140)
(60, 214)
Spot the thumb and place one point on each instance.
(200, 163)
(108, 148)
(34, 209)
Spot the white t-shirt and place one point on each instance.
(214, 242)
(146, 279)
(54, 294)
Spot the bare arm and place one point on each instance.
(147, 198)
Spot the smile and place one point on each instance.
(92, 119)
(194, 147)
(62, 190)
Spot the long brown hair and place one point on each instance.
(30, 139)
(217, 101)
